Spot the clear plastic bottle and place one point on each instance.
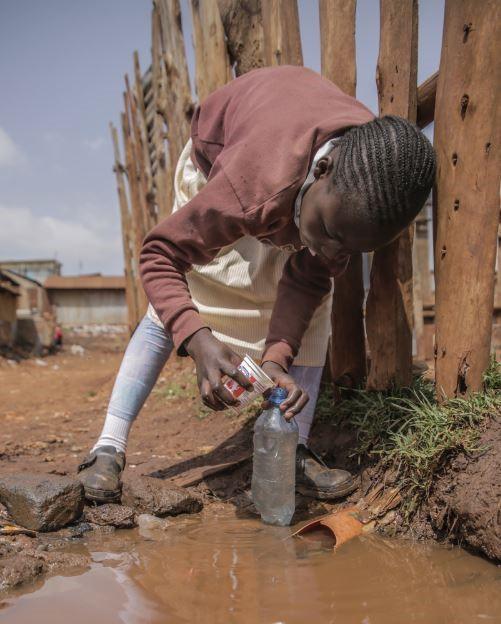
(274, 467)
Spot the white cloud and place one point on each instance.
(94, 144)
(26, 235)
(10, 154)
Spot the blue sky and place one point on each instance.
(61, 67)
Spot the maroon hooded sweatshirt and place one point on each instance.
(254, 139)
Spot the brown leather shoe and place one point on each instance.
(315, 479)
(100, 474)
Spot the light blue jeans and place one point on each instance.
(146, 354)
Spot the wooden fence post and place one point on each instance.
(243, 25)
(427, 92)
(348, 357)
(137, 216)
(389, 303)
(467, 136)
(213, 68)
(282, 38)
(173, 103)
(127, 234)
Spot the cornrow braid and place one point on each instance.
(388, 166)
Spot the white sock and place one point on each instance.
(115, 433)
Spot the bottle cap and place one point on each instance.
(277, 396)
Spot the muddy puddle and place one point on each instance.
(220, 568)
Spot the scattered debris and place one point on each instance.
(349, 522)
(77, 350)
(40, 362)
(42, 502)
(9, 529)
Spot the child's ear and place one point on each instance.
(323, 167)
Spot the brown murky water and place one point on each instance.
(223, 569)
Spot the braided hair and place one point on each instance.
(387, 166)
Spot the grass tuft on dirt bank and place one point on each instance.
(414, 435)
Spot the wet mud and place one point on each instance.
(217, 567)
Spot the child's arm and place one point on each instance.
(192, 235)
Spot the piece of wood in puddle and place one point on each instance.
(193, 476)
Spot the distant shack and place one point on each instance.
(9, 293)
(87, 299)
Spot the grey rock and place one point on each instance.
(147, 522)
(158, 497)
(42, 502)
(118, 516)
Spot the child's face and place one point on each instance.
(331, 228)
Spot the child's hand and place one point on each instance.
(214, 360)
(296, 399)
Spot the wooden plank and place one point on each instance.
(127, 234)
(212, 63)
(243, 25)
(193, 476)
(282, 38)
(337, 39)
(162, 165)
(348, 356)
(467, 137)
(143, 146)
(427, 92)
(172, 91)
(138, 165)
(137, 222)
(389, 309)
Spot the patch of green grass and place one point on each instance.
(175, 390)
(413, 434)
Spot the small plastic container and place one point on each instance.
(258, 378)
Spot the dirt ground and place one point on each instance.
(53, 408)
(52, 411)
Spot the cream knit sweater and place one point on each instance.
(235, 293)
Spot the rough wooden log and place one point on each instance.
(137, 222)
(138, 154)
(127, 234)
(282, 38)
(243, 25)
(162, 165)
(467, 137)
(213, 68)
(337, 38)
(143, 146)
(389, 303)
(173, 92)
(427, 92)
(348, 356)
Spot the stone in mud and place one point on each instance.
(110, 514)
(42, 502)
(157, 497)
(147, 522)
(20, 568)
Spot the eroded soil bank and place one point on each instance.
(52, 411)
